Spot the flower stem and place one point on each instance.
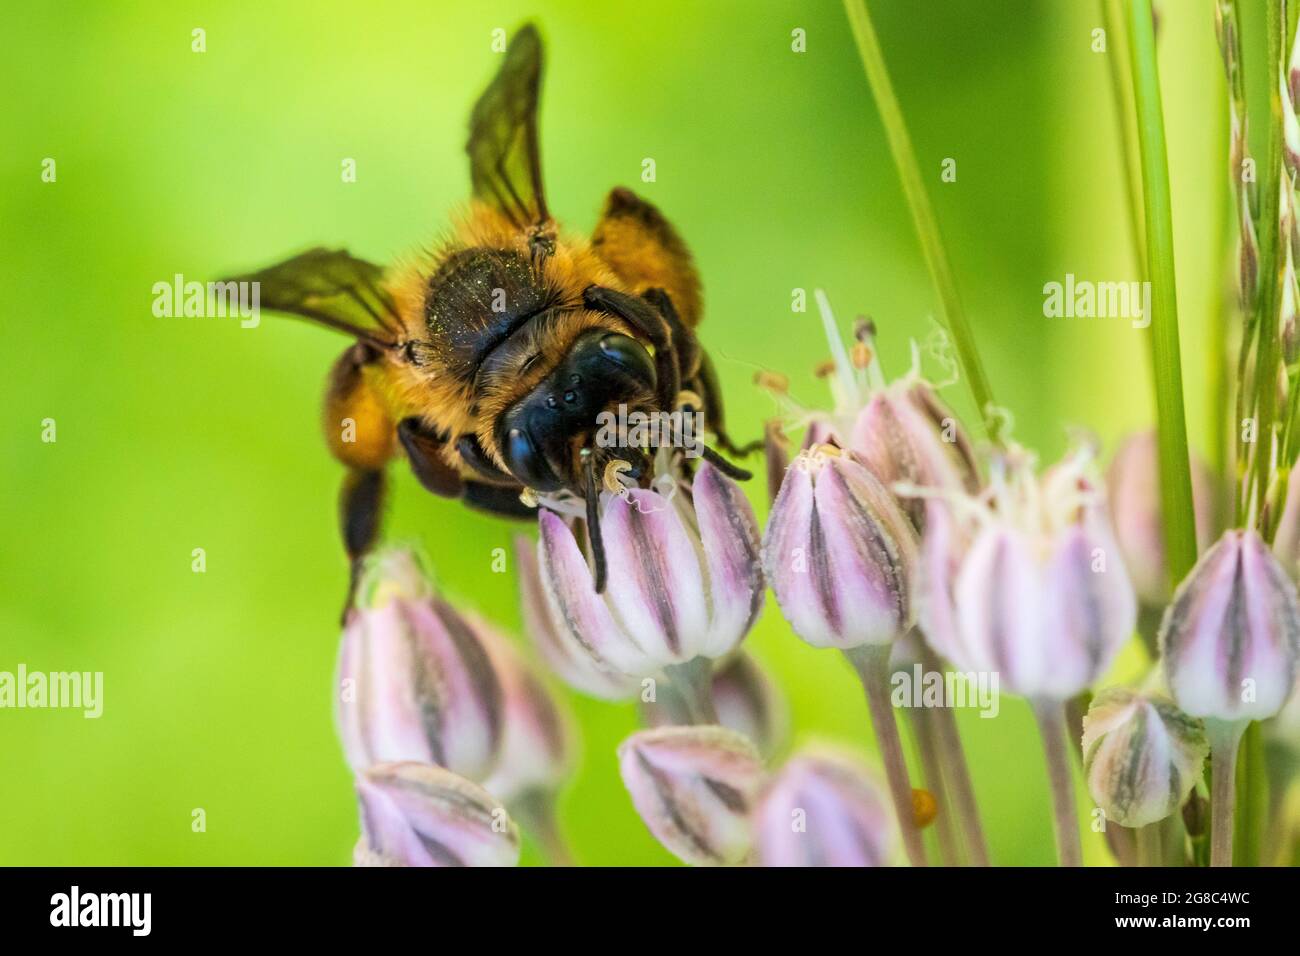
(872, 664)
(1171, 430)
(957, 773)
(925, 732)
(1224, 738)
(693, 683)
(1149, 845)
(1051, 724)
(535, 810)
(923, 218)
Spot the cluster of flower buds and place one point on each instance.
(1026, 580)
(430, 701)
(1141, 755)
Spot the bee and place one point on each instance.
(487, 361)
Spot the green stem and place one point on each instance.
(1252, 802)
(1121, 93)
(957, 773)
(872, 664)
(924, 732)
(1224, 738)
(535, 810)
(1050, 715)
(1149, 845)
(1175, 475)
(923, 218)
(693, 684)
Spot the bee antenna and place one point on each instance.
(593, 523)
(724, 466)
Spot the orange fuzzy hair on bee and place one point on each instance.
(449, 402)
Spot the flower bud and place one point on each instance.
(536, 746)
(1044, 600)
(822, 809)
(556, 643)
(415, 683)
(694, 788)
(414, 814)
(684, 576)
(902, 435)
(1133, 483)
(839, 553)
(1141, 755)
(1231, 637)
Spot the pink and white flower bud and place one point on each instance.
(823, 809)
(1133, 485)
(414, 681)
(1141, 755)
(1028, 584)
(904, 435)
(839, 553)
(1230, 639)
(536, 744)
(685, 579)
(414, 814)
(694, 787)
(556, 643)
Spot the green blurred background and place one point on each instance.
(175, 434)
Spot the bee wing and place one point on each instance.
(504, 166)
(333, 288)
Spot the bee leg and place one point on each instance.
(647, 321)
(361, 505)
(500, 500)
(706, 383)
(424, 448)
(685, 344)
(472, 453)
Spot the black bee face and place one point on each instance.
(543, 435)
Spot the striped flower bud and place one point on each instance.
(414, 814)
(839, 553)
(822, 809)
(1133, 484)
(1028, 583)
(1231, 637)
(694, 788)
(905, 434)
(536, 746)
(684, 576)
(414, 681)
(1141, 755)
(556, 643)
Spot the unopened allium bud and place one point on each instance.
(1133, 486)
(822, 809)
(694, 787)
(904, 434)
(1231, 637)
(1141, 755)
(536, 744)
(839, 553)
(1028, 583)
(685, 579)
(555, 642)
(414, 681)
(414, 814)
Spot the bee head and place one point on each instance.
(544, 435)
